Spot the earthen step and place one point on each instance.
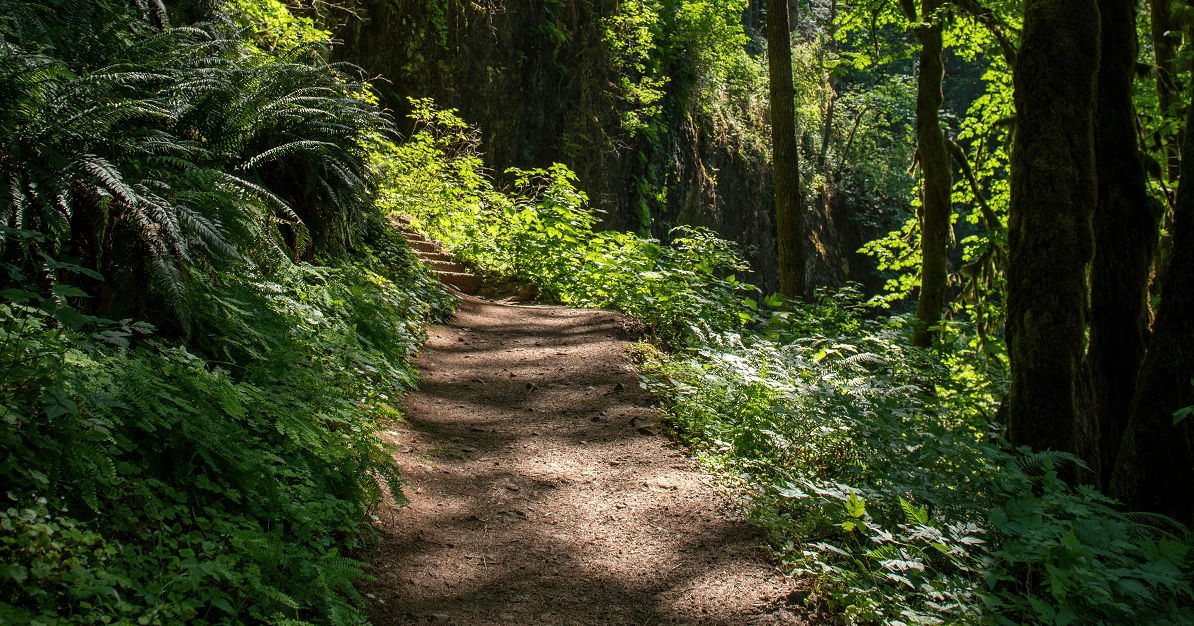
(447, 266)
(468, 283)
(424, 246)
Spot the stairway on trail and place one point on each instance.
(450, 273)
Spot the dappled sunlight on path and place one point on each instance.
(539, 493)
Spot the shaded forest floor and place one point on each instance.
(540, 492)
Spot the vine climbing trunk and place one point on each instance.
(1125, 232)
(934, 164)
(1155, 467)
(785, 158)
(1050, 242)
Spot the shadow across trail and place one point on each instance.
(539, 493)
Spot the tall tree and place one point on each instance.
(934, 163)
(1166, 37)
(789, 205)
(1050, 241)
(1125, 231)
(1155, 467)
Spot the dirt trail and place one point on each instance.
(539, 494)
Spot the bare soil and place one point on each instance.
(541, 493)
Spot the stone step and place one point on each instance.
(425, 246)
(413, 236)
(447, 266)
(435, 256)
(467, 283)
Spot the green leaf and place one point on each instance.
(17, 295)
(71, 318)
(914, 514)
(69, 291)
(855, 507)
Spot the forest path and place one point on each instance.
(539, 495)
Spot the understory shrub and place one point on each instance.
(220, 481)
(541, 232)
(875, 473)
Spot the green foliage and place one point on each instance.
(874, 41)
(175, 149)
(221, 483)
(275, 28)
(435, 177)
(218, 470)
(682, 54)
(541, 232)
(674, 290)
(876, 471)
(630, 36)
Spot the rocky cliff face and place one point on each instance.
(537, 79)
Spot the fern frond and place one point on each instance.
(1036, 463)
(863, 357)
(108, 177)
(1156, 521)
(170, 280)
(283, 151)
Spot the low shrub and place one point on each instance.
(871, 466)
(542, 232)
(218, 481)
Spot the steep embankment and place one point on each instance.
(539, 493)
(543, 86)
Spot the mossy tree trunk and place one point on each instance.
(934, 164)
(785, 158)
(1053, 193)
(1165, 38)
(1125, 232)
(1155, 467)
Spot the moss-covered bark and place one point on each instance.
(1125, 234)
(934, 163)
(1155, 467)
(1165, 44)
(785, 154)
(1053, 194)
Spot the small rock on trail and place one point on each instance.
(539, 493)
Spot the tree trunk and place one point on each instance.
(1165, 40)
(1155, 467)
(1125, 234)
(1165, 45)
(789, 219)
(1050, 242)
(934, 163)
(830, 45)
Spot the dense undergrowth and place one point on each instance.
(203, 314)
(540, 231)
(877, 469)
(223, 480)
